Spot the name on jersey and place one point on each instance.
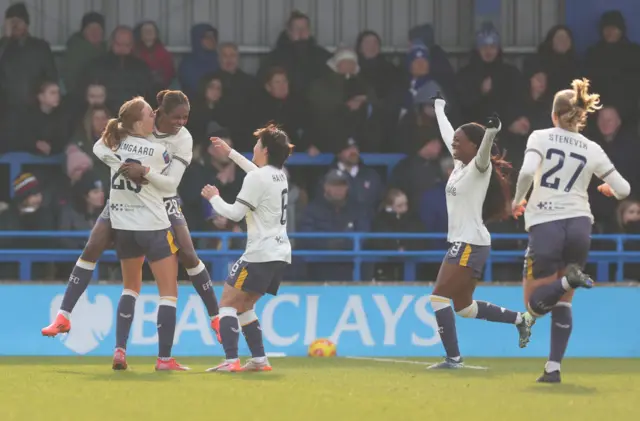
(451, 190)
(278, 177)
(567, 140)
(138, 150)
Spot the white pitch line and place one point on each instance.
(276, 354)
(389, 360)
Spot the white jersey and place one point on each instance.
(136, 207)
(179, 146)
(264, 191)
(569, 160)
(466, 190)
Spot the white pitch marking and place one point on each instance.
(388, 360)
(275, 354)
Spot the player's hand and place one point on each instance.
(221, 146)
(606, 190)
(517, 209)
(438, 99)
(494, 122)
(209, 191)
(134, 172)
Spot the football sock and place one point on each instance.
(561, 326)
(445, 317)
(202, 283)
(166, 326)
(252, 332)
(126, 310)
(545, 297)
(229, 331)
(493, 313)
(78, 283)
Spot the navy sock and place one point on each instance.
(493, 313)
(166, 326)
(78, 283)
(126, 310)
(545, 297)
(445, 317)
(561, 326)
(229, 331)
(202, 283)
(252, 332)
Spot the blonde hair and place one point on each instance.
(119, 128)
(572, 106)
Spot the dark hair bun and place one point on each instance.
(161, 95)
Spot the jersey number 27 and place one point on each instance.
(551, 182)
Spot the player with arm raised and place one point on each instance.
(476, 192)
(560, 163)
(171, 116)
(263, 201)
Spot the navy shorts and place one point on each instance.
(155, 245)
(260, 277)
(468, 255)
(555, 244)
(173, 205)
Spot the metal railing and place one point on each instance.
(221, 258)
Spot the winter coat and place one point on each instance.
(199, 62)
(159, 60)
(77, 57)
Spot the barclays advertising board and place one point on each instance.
(388, 321)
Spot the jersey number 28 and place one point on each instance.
(118, 182)
(551, 182)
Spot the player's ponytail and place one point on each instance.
(119, 128)
(572, 106)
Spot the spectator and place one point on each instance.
(342, 101)
(421, 170)
(419, 122)
(240, 91)
(86, 135)
(628, 218)
(394, 216)
(488, 84)
(556, 58)
(440, 67)
(365, 185)
(119, 71)
(94, 96)
(376, 70)
(433, 206)
(208, 107)
(332, 212)
(83, 47)
(27, 212)
(297, 51)
(621, 146)
(24, 60)
(613, 66)
(82, 211)
(42, 128)
(276, 103)
(152, 51)
(202, 60)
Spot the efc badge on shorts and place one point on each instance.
(166, 157)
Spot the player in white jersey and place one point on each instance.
(171, 116)
(142, 228)
(263, 201)
(560, 162)
(476, 192)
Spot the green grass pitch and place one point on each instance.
(331, 389)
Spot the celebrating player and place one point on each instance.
(171, 117)
(477, 192)
(561, 162)
(142, 228)
(263, 200)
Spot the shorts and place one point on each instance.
(173, 205)
(154, 245)
(555, 244)
(259, 277)
(470, 256)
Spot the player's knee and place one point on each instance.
(537, 307)
(468, 312)
(438, 302)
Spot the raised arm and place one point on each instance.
(446, 130)
(245, 164)
(483, 157)
(106, 155)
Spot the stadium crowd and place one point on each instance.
(353, 101)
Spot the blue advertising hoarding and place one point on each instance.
(382, 321)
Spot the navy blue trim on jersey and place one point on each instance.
(247, 204)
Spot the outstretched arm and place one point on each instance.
(106, 155)
(234, 212)
(241, 161)
(446, 130)
(483, 157)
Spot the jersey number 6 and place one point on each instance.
(284, 200)
(554, 183)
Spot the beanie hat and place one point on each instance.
(343, 54)
(487, 35)
(418, 50)
(92, 17)
(17, 10)
(426, 92)
(613, 18)
(25, 185)
(89, 181)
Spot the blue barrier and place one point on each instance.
(16, 160)
(223, 257)
(380, 321)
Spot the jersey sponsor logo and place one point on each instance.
(91, 322)
(455, 249)
(124, 207)
(166, 157)
(451, 190)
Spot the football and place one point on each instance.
(322, 348)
